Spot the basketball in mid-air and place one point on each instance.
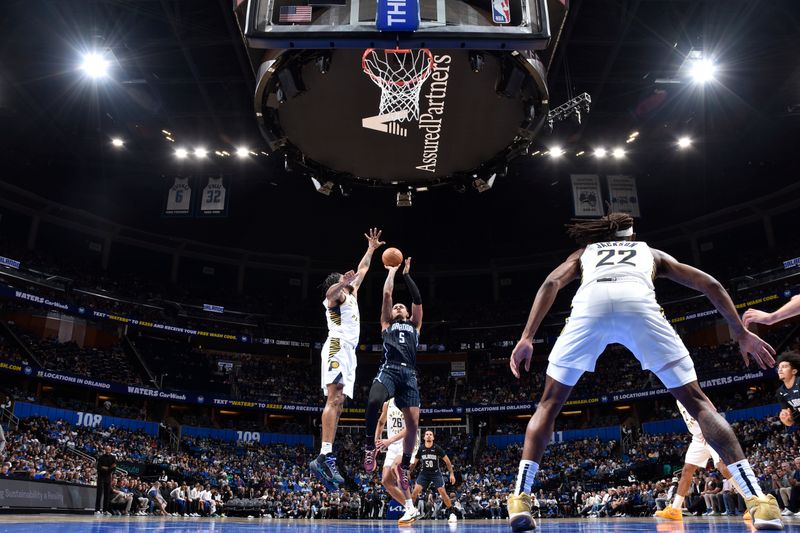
(392, 257)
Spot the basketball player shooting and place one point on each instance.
(339, 356)
(616, 303)
(397, 378)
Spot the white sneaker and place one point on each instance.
(411, 515)
(452, 518)
(786, 512)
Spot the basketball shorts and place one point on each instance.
(699, 452)
(401, 382)
(338, 365)
(392, 453)
(640, 327)
(395, 451)
(425, 479)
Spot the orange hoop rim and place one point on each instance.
(401, 83)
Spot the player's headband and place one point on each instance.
(624, 232)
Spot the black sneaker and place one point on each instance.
(324, 467)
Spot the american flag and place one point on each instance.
(295, 14)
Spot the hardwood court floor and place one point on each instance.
(91, 524)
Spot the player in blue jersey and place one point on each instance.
(397, 378)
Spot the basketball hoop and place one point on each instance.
(400, 74)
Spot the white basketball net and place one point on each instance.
(400, 74)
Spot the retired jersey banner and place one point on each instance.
(179, 198)
(624, 198)
(586, 195)
(214, 199)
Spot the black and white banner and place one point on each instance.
(624, 198)
(586, 196)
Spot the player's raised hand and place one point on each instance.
(760, 351)
(407, 267)
(374, 239)
(754, 316)
(348, 277)
(522, 352)
(392, 269)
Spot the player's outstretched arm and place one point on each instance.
(388, 289)
(790, 309)
(416, 298)
(668, 267)
(335, 293)
(563, 274)
(373, 243)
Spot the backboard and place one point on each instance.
(472, 97)
(476, 24)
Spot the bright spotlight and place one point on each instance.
(200, 152)
(618, 153)
(556, 151)
(702, 71)
(600, 153)
(181, 153)
(684, 142)
(242, 151)
(95, 65)
(117, 142)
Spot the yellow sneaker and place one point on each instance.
(746, 516)
(670, 513)
(519, 513)
(764, 511)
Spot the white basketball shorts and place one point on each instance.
(637, 324)
(699, 452)
(338, 365)
(395, 450)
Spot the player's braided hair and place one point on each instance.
(331, 280)
(586, 232)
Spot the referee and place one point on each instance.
(429, 456)
(788, 394)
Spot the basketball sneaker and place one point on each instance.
(411, 515)
(670, 513)
(324, 467)
(764, 512)
(401, 473)
(369, 458)
(519, 513)
(453, 518)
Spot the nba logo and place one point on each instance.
(501, 13)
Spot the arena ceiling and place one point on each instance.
(180, 66)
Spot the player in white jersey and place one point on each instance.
(338, 357)
(697, 455)
(395, 422)
(616, 303)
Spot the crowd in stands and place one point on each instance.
(577, 478)
(179, 365)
